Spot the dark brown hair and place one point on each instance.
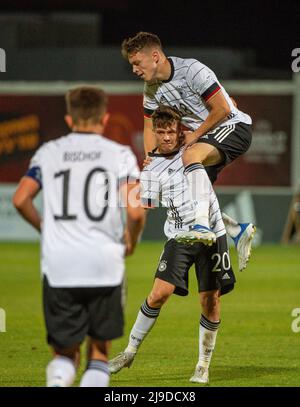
(86, 103)
(140, 41)
(165, 116)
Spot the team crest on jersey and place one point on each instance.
(162, 265)
(183, 92)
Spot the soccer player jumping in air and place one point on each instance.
(163, 179)
(219, 132)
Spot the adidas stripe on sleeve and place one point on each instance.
(202, 80)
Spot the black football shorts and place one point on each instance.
(233, 141)
(72, 313)
(212, 266)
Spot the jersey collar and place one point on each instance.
(154, 154)
(172, 70)
(86, 132)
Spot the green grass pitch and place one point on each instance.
(255, 346)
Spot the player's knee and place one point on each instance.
(193, 154)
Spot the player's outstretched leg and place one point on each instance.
(145, 320)
(200, 191)
(242, 235)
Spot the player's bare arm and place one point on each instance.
(218, 111)
(27, 189)
(135, 216)
(149, 139)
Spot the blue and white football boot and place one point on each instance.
(197, 234)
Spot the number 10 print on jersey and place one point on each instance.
(83, 221)
(66, 177)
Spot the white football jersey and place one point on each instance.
(83, 221)
(163, 181)
(190, 85)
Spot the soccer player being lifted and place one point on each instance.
(82, 247)
(219, 132)
(164, 180)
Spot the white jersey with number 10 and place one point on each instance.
(83, 223)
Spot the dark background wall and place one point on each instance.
(267, 31)
(106, 63)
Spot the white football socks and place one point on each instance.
(60, 372)
(96, 374)
(199, 187)
(145, 320)
(207, 339)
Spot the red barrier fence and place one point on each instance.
(27, 121)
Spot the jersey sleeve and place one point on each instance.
(202, 80)
(35, 167)
(149, 189)
(149, 101)
(128, 168)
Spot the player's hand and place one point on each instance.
(189, 138)
(147, 161)
(129, 246)
(129, 249)
(127, 243)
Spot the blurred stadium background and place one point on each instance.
(49, 51)
(67, 43)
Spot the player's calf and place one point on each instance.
(160, 293)
(145, 320)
